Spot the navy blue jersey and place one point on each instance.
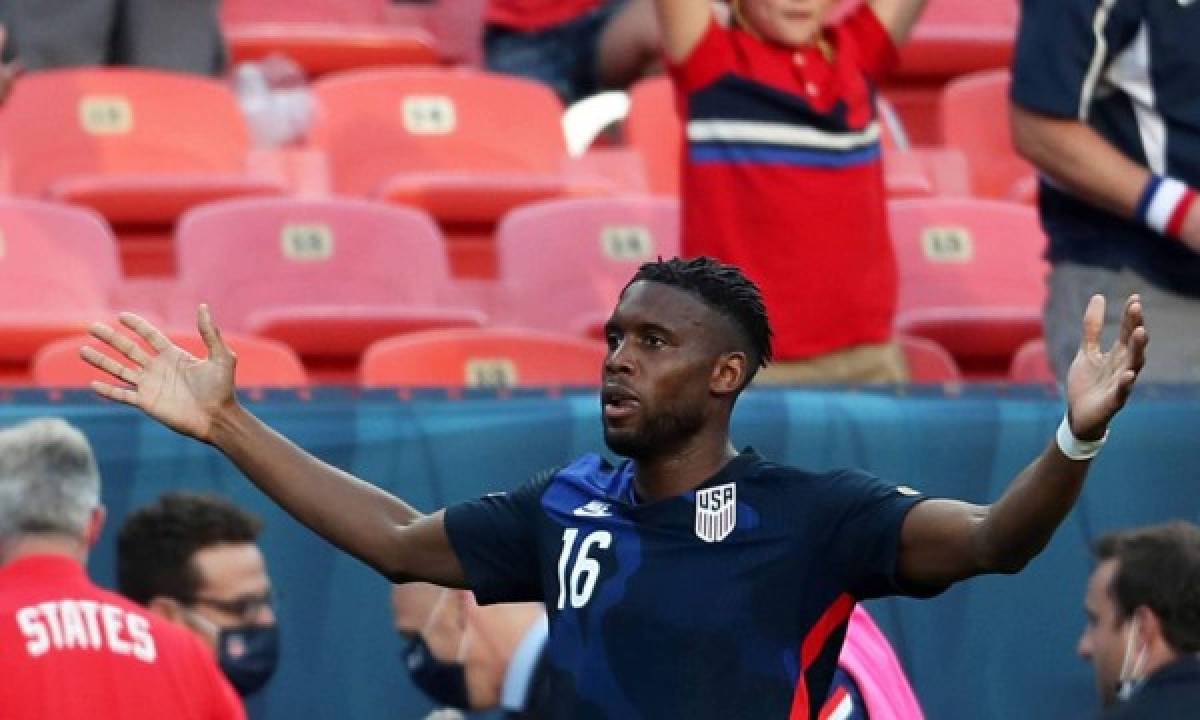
(730, 601)
(1129, 69)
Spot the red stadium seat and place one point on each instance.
(58, 269)
(467, 146)
(139, 146)
(927, 361)
(975, 121)
(260, 362)
(653, 129)
(327, 277)
(324, 35)
(971, 277)
(1031, 364)
(563, 263)
(483, 358)
(960, 36)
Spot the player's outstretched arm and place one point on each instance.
(944, 541)
(196, 397)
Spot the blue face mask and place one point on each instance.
(248, 655)
(444, 682)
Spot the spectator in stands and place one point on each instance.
(68, 649)
(1104, 105)
(477, 658)
(194, 559)
(1143, 622)
(782, 174)
(469, 657)
(179, 35)
(577, 47)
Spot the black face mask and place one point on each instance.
(248, 655)
(443, 682)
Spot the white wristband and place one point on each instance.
(1075, 448)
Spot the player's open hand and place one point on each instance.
(183, 392)
(1098, 382)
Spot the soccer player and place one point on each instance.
(691, 580)
(70, 650)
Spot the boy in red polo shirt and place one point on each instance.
(782, 171)
(70, 650)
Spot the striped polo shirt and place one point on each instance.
(782, 175)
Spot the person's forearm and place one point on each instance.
(898, 16)
(1077, 158)
(352, 514)
(1020, 524)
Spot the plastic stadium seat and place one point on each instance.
(483, 358)
(563, 263)
(927, 361)
(327, 277)
(1031, 364)
(260, 362)
(467, 146)
(324, 35)
(971, 276)
(960, 36)
(139, 146)
(975, 121)
(653, 129)
(58, 268)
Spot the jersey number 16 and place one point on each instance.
(580, 583)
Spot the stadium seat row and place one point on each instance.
(140, 147)
(330, 276)
(467, 358)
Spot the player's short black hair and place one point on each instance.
(1158, 567)
(726, 289)
(156, 543)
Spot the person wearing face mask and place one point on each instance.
(1143, 629)
(194, 559)
(469, 657)
(70, 650)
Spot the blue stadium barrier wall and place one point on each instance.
(996, 647)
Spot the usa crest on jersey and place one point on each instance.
(716, 512)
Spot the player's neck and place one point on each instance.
(30, 545)
(685, 469)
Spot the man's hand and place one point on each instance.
(182, 392)
(1099, 383)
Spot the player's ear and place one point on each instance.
(729, 373)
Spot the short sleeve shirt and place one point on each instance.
(1130, 70)
(782, 176)
(72, 651)
(728, 601)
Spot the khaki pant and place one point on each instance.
(1172, 320)
(861, 364)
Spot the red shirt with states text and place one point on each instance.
(70, 650)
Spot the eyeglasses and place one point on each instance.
(244, 607)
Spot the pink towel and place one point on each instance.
(868, 658)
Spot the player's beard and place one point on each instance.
(656, 435)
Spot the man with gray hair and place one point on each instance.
(69, 649)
